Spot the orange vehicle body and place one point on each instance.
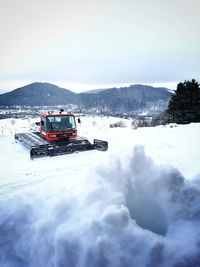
(56, 127)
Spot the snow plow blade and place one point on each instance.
(40, 147)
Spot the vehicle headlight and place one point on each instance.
(52, 135)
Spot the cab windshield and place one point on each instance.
(61, 123)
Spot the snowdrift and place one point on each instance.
(122, 210)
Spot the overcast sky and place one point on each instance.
(84, 44)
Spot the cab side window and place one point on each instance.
(44, 124)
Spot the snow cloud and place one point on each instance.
(126, 214)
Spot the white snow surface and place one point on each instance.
(137, 204)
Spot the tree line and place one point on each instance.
(184, 105)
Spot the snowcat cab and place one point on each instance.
(57, 136)
(55, 127)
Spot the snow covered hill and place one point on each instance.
(138, 204)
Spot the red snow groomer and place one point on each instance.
(57, 136)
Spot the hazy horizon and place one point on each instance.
(85, 88)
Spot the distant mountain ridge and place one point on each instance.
(37, 94)
(124, 99)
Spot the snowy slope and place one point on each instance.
(135, 205)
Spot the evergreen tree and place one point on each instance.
(184, 106)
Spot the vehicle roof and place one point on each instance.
(46, 114)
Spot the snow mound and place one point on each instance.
(134, 214)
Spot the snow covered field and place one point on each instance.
(138, 204)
